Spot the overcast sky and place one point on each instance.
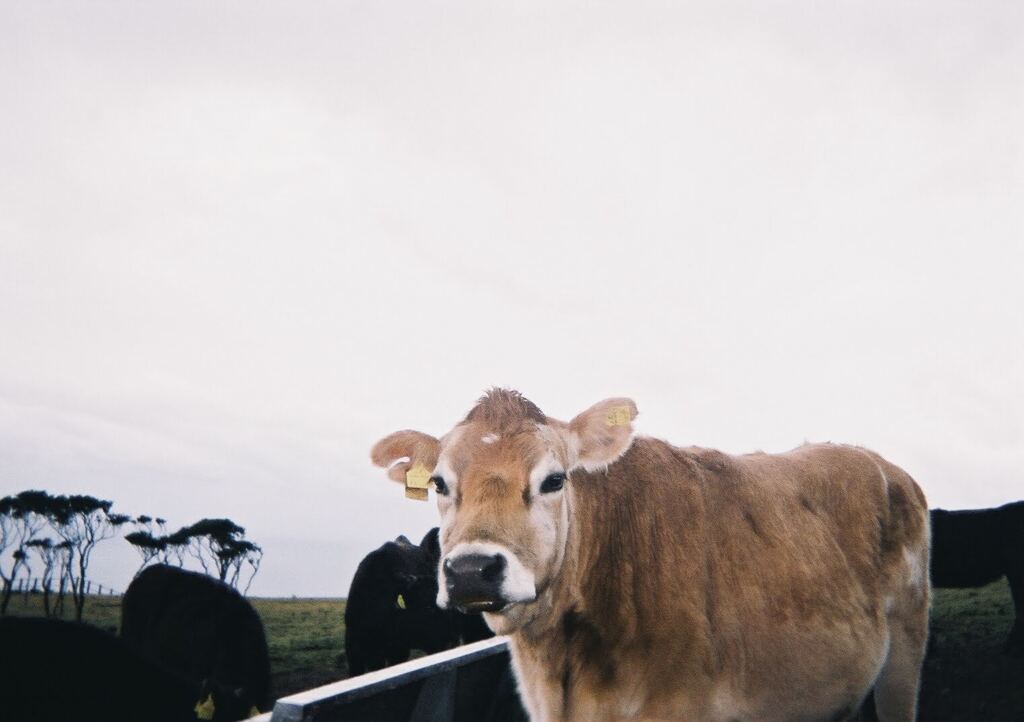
(240, 242)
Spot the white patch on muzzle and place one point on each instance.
(517, 586)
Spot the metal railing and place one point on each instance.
(473, 682)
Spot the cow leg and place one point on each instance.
(898, 682)
(867, 709)
(354, 656)
(375, 660)
(356, 668)
(365, 657)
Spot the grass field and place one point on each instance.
(967, 676)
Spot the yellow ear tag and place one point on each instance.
(418, 477)
(401, 601)
(618, 416)
(417, 494)
(253, 712)
(205, 710)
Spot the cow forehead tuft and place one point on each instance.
(504, 410)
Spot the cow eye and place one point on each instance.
(439, 486)
(553, 482)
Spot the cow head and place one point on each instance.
(503, 478)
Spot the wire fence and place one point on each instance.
(35, 585)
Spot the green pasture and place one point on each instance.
(967, 676)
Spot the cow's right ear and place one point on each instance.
(404, 450)
(602, 433)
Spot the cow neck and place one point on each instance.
(612, 586)
(584, 576)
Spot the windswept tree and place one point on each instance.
(156, 526)
(6, 523)
(169, 548)
(21, 561)
(27, 514)
(234, 555)
(63, 552)
(176, 547)
(49, 555)
(150, 540)
(220, 547)
(83, 522)
(211, 543)
(7, 527)
(147, 545)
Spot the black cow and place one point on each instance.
(198, 626)
(471, 627)
(974, 547)
(56, 671)
(392, 607)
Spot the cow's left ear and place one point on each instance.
(405, 450)
(601, 434)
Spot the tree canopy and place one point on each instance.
(57, 534)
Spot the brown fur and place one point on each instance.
(504, 410)
(691, 584)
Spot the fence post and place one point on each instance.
(436, 702)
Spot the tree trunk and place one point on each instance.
(79, 599)
(83, 566)
(8, 590)
(58, 607)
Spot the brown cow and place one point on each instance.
(640, 580)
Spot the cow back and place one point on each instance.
(732, 558)
(198, 626)
(100, 679)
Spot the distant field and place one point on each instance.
(307, 639)
(967, 677)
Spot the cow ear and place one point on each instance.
(601, 434)
(404, 450)
(431, 544)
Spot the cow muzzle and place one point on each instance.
(474, 582)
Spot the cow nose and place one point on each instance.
(488, 568)
(474, 581)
